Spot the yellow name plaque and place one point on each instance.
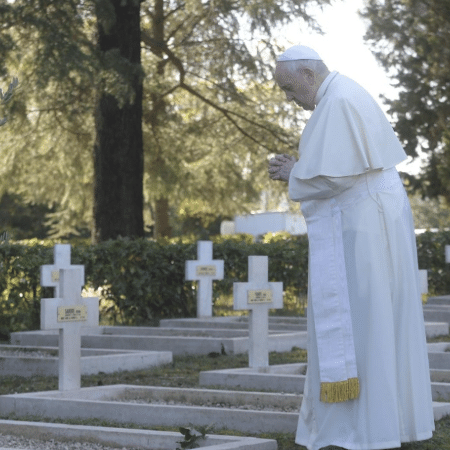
(75, 313)
(55, 275)
(262, 296)
(209, 271)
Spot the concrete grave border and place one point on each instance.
(184, 345)
(93, 361)
(163, 440)
(98, 402)
(288, 378)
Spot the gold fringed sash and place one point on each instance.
(339, 391)
(329, 302)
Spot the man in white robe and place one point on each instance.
(368, 381)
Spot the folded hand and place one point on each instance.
(280, 167)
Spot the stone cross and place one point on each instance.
(447, 253)
(50, 273)
(258, 296)
(69, 314)
(205, 270)
(423, 278)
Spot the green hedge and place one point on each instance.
(139, 280)
(142, 280)
(431, 253)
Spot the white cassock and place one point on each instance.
(362, 246)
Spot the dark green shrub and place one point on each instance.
(431, 254)
(142, 281)
(19, 285)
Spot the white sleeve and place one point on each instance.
(320, 187)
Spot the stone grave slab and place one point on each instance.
(439, 360)
(291, 378)
(204, 270)
(276, 323)
(436, 313)
(120, 437)
(439, 300)
(27, 361)
(275, 378)
(436, 325)
(438, 346)
(435, 329)
(249, 412)
(194, 341)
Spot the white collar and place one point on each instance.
(324, 86)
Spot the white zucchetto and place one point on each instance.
(298, 52)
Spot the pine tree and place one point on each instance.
(412, 41)
(211, 114)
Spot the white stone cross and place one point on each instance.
(423, 278)
(69, 314)
(50, 273)
(447, 253)
(205, 270)
(258, 296)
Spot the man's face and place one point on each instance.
(297, 87)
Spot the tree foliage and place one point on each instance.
(411, 39)
(46, 148)
(6, 97)
(211, 112)
(429, 213)
(22, 221)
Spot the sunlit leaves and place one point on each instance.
(412, 41)
(6, 97)
(211, 113)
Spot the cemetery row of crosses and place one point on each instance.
(69, 312)
(271, 396)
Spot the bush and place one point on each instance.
(141, 281)
(19, 285)
(431, 254)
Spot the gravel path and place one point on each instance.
(9, 441)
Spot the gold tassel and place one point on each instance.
(340, 391)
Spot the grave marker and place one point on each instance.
(423, 277)
(204, 270)
(258, 295)
(50, 272)
(69, 314)
(447, 253)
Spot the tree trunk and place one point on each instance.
(162, 227)
(118, 149)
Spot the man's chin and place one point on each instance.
(305, 107)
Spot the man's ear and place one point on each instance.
(309, 75)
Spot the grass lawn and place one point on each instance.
(184, 372)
